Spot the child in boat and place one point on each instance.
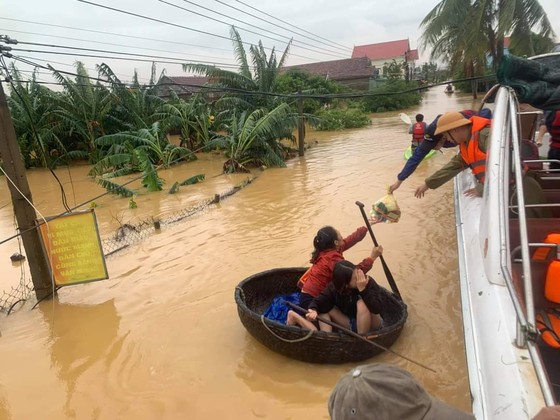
(351, 300)
(328, 248)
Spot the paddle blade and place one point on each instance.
(405, 118)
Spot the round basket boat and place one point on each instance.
(254, 294)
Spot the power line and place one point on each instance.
(99, 42)
(118, 53)
(287, 23)
(247, 23)
(169, 23)
(115, 34)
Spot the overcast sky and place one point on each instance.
(323, 29)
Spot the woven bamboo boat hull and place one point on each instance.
(254, 294)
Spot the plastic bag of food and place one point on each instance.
(385, 210)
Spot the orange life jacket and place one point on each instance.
(548, 322)
(543, 253)
(470, 151)
(418, 133)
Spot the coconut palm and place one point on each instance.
(260, 79)
(253, 138)
(464, 33)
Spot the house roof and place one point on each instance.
(383, 50)
(181, 84)
(348, 68)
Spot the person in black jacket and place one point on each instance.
(351, 300)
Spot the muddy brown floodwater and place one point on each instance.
(161, 338)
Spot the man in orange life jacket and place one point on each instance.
(418, 130)
(551, 123)
(472, 136)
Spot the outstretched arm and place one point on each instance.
(411, 164)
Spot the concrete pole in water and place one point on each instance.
(301, 126)
(24, 212)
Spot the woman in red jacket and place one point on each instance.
(328, 248)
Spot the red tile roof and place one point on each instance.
(349, 68)
(382, 50)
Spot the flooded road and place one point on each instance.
(161, 338)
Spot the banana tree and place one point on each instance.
(253, 139)
(120, 150)
(82, 108)
(192, 118)
(37, 132)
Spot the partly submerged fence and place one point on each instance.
(126, 235)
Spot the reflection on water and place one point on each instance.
(161, 338)
(78, 348)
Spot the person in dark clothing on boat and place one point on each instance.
(351, 300)
(431, 142)
(382, 391)
(551, 123)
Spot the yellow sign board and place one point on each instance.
(74, 249)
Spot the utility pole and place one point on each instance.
(301, 126)
(24, 212)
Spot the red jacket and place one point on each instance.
(320, 273)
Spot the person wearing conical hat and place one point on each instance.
(471, 135)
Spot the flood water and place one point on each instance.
(161, 338)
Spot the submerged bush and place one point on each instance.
(338, 119)
(392, 102)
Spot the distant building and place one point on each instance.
(354, 73)
(185, 87)
(385, 52)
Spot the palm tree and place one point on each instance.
(464, 33)
(261, 79)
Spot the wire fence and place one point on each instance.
(125, 236)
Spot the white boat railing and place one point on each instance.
(526, 331)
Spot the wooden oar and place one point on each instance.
(388, 273)
(361, 337)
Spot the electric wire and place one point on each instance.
(116, 34)
(289, 24)
(294, 42)
(126, 12)
(103, 43)
(116, 52)
(348, 95)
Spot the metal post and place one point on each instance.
(24, 212)
(301, 126)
